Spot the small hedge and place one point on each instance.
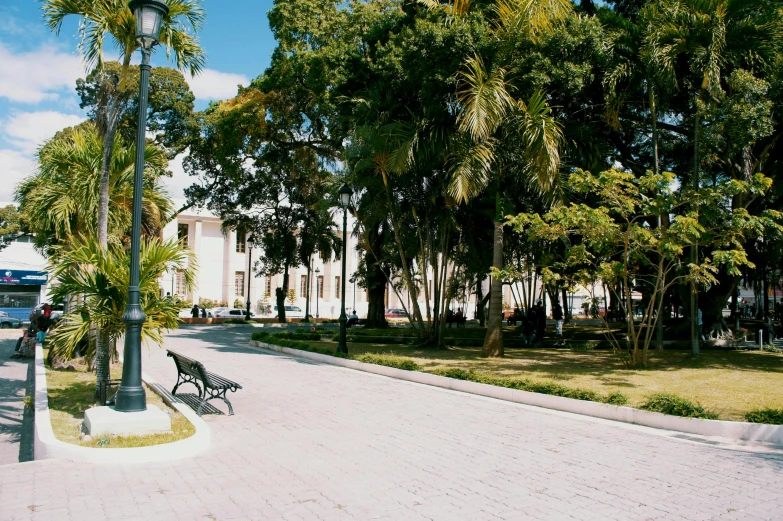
(398, 362)
(771, 416)
(676, 406)
(263, 336)
(236, 321)
(524, 384)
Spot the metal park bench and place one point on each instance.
(214, 386)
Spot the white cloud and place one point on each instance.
(215, 85)
(180, 180)
(28, 130)
(39, 75)
(14, 166)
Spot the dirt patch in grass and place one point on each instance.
(72, 392)
(730, 383)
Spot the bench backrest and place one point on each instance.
(190, 367)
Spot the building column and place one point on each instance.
(196, 245)
(229, 249)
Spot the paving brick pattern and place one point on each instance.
(312, 441)
(15, 424)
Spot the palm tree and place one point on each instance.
(60, 202)
(114, 19)
(101, 277)
(504, 137)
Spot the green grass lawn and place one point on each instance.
(730, 383)
(72, 392)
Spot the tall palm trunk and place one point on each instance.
(493, 341)
(109, 127)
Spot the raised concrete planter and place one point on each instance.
(744, 431)
(47, 446)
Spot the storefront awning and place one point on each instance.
(18, 277)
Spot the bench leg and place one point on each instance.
(181, 380)
(222, 396)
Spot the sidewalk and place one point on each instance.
(16, 425)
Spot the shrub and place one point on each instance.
(523, 384)
(238, 303)
(395, 361)
(676, 406)
(264, 336)
(281, 340)
(616, 398)
(236, 321)
(457, 374)
(772, 416)
(207, 303)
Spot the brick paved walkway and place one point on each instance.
(15, 426)
(312, 441)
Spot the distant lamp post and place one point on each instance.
(317, 290)
(345, 194)
(353, 281)
(249, 243)
(130, 396)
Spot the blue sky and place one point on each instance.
(40, 69)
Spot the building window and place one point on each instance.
(241, 241)
(239, 283)
(182, 235)
(321, 286)
(180, 283)
(268, 289)
(337, 287)
(303, 286)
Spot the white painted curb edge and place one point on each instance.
(745, 431)
(47, 446)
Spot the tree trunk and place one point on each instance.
(307, 296)
(280, 296)
(566, 306)
(102, 355)
(480, 303)
(493, 341)
(376, 311)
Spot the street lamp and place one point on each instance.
(353, 281)
(317, 290)
(249, 243)
(345, 194)
(130, 396)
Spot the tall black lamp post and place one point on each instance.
(353, 281)
(317, 290)
(345, 194)
(249, 243)
(130, 396)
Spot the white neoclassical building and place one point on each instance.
(224, 273)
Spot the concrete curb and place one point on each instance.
(47, 446)
(740, 431)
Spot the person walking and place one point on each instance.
(194, 311)
(557, 314)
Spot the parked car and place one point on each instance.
(396, 313)
(215, 312)
(290, 312)
(231, 313)
(7, 321)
